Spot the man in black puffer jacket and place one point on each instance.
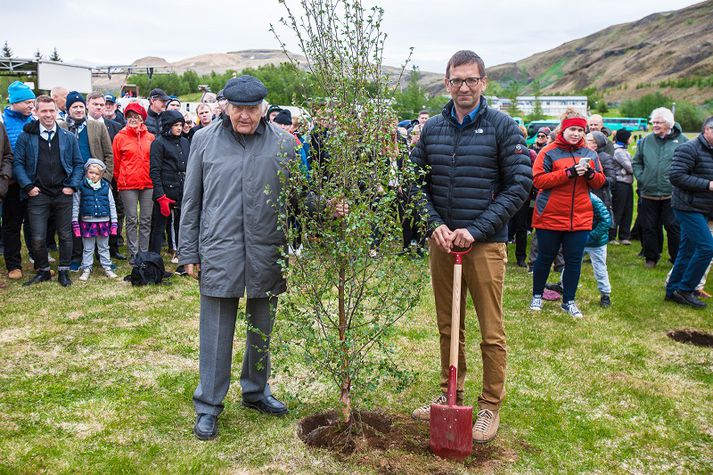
(477, 175)
(691, 175)
(169, 155)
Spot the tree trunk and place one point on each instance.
(345, 399)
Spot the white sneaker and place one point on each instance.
(174, 259)
(423, 413)
(85, 275)
(51, 259)
(536, 304)
(571, 308)
(110, 273)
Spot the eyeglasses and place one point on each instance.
(134, 118)
(470, 82)
(541, 136)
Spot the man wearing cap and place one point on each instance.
(112, 112)
(157, 104)
(229, 233)
(15, 116)
(48, 168)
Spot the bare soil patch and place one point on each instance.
(371, 433)
(693, 337)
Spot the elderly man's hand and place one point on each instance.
(462, 238)
(443, 237)
(193, 270)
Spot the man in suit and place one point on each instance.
(48, 168)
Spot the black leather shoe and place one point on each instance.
(521, 264)
(269, 405)
(64, 279)
(117, 255)
(686, 298)
(206, 427)
(41, 276)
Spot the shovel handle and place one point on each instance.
(455, 320)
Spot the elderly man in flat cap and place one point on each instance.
(230, 241)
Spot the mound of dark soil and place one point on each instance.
(370, 434)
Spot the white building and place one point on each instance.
(552, 105)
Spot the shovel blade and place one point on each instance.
(451, 431)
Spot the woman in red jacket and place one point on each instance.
(132, 146)
(564, 172)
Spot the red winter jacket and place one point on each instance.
(563, 203)
(132, 149)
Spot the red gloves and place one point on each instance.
(165, 203)
(75, 229)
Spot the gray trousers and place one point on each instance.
(138, 205)
(102, 244)
(217, 328)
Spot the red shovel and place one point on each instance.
(451, 425)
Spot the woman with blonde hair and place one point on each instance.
(564, 172)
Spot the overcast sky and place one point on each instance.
(118, 32)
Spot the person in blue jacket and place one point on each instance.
(596, 247)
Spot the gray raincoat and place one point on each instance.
(228, 221)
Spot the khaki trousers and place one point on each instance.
(483, 275)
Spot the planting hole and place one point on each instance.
(693, 337)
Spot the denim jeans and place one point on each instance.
(548, 243)
(694, 253)
(102, 244)
(598, 255)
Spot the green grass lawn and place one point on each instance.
(98, 378)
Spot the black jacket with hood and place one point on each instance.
(169, 156)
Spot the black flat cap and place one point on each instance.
(244, 91)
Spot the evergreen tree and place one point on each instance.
(55, 56)
(6, 51)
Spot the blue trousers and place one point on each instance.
(548, 243)
(695, 252)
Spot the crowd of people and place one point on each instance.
(82, 170)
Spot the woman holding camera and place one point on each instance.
(564, 172)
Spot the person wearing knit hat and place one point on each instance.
(540, 139)
(94, 218)
(623, 192)
(564, 172)
(94, 141)
(173, 103)
(14, 117)
(169, 156)
(131, 156)
(272, 112)
(284, 117)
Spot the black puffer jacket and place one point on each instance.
(691, 173)
(153, 121)
(478, 176)
(169, 155)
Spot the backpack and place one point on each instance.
(148, 269)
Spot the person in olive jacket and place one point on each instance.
(169, 156)
(651, 166)
(691, 175)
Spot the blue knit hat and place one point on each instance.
(72, 97)
(18, 92)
